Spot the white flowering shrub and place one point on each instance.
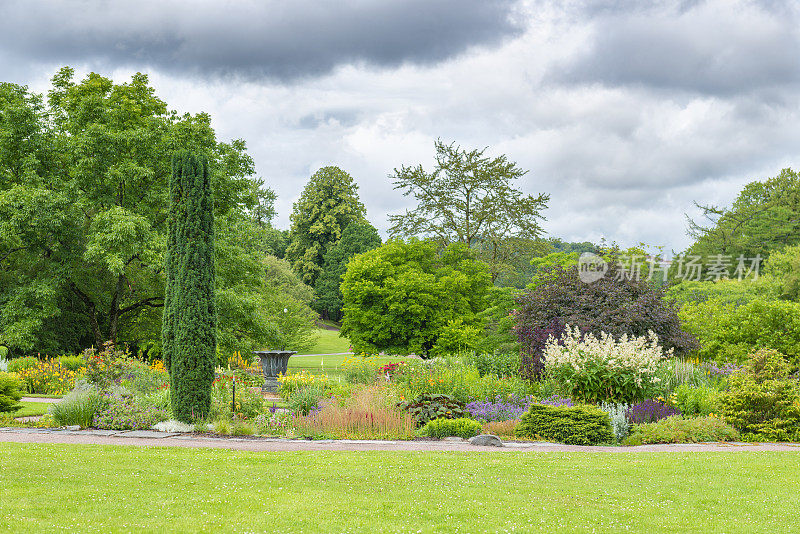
(604, 369)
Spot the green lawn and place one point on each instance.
(330, 364)
(42, 395)
(44, 488)
(329, 342)
(32, 408)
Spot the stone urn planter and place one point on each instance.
(273, 362)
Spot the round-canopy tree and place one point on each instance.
(358, 237)
(327, 205)
(400, 297)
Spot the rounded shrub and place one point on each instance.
(571, 425)
(461, 427)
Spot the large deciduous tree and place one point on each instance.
(765, 217)
(83, 217)
(401, 296)
(328, 203)
(358, 237)
(190, 321)
(470, 198)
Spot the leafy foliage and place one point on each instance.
(327, 205)
(697, 400)
(729, 333)
(431, 406)
(470, 199)
(785, 266)
(677, 430)
(571, 425)
(399, 298)
(501, 364)
(762, 401)
(763, 218)
(84, 199)
(357, 237)
(9, 392)
(461, 427)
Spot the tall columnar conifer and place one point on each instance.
(189, 325)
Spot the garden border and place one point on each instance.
(165, 439)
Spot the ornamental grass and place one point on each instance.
(371, 413)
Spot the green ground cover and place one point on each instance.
(43, 395)
(115, 489)
(32, 408)
(329, 342)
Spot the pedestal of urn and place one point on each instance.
(273, 362)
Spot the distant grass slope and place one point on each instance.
(329, 364)
(329, 342)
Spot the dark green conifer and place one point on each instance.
(189, 322)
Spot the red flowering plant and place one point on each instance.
(389, 369)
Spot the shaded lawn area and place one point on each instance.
(104, 488)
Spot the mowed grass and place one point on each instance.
(29, 409)
(329, 342)
(330, 364)
(45, 488)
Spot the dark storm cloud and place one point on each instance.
(277, 39)
(717, 48)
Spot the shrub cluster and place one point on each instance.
(699, 400)
(461, 427)
(648, 411)
(48, 377)
(124, 412)
(763, 401)
(677, 430)
(575, 425)
(615, 304)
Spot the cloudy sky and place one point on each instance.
(623, 112)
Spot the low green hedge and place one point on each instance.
(571, 425)
(461, 427)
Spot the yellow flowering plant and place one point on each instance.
(48, 377)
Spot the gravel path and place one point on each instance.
(39, 399)
(163, 439)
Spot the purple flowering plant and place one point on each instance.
(122, 412)
(511, 407)
(649, 411)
